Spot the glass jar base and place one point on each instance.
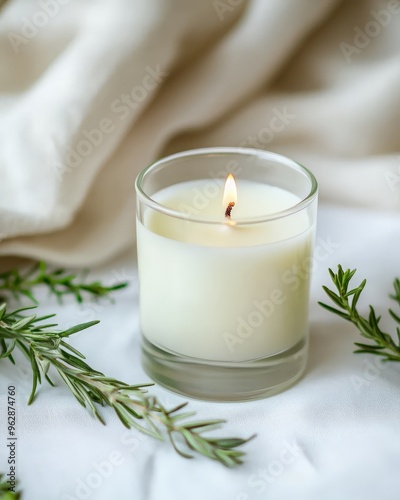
(225, 381)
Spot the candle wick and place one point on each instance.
(229, 209)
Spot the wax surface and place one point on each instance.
(254, 200)
(225, 293)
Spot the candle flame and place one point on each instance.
(230, 191)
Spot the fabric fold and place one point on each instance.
(92, 92)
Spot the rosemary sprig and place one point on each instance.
(5, 492)
(59, 282)
(346, 300)
(46, 349)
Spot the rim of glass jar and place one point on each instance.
(232, 151)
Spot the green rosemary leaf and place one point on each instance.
(131, 411)
(196, 444)
(177, 449)
(182, 416)
(72, 349)
(16, 312)
(2, 310)
(332, 295)
(357, 294)
(19, 325)
(228, 443)
(395, 316)
(369, 327)
(156, 432)
(369, 346)
(396, 295)
(177, 408)
(7, 350)
(334, 311)
(34, 387)
(78, 328)
(198, 425)
(49, 380)
(226, 459)
(123, 415)
(43, 318)
(130, 387)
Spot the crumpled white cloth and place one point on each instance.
(92, 91)
(334, 435)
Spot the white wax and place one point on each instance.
(224, 292)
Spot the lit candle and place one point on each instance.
(219, 269)
(218, 292)
(230, 195)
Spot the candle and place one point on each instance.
(218, 270)
(225, 284)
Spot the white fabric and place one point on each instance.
(315, 80)
(343, 415)
(202, 73)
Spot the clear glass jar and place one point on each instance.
(224, 298)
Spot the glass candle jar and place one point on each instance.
(225, 239)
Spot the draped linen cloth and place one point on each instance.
(92, 91)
